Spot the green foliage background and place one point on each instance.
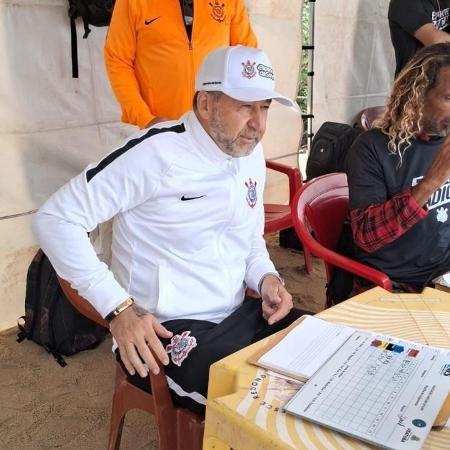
(303, 79)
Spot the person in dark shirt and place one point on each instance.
(399, 176)
(417, 23)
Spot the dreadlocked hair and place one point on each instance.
(403, 117)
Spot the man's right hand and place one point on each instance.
(136, 336)
(436, 176)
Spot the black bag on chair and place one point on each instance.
(50, 320)
(329, 149)
(93, 12)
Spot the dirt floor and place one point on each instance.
(44, 406)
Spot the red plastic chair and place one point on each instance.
(178, 428)
(367, 116)
(320, 207)
(278, 216)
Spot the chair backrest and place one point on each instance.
(318, 212)
(368, 115)
(321, 207)
(293, 173)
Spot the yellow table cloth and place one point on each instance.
(244, 407)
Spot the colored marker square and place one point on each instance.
(375, 343)
(413, 353)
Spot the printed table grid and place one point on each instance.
(348, 407)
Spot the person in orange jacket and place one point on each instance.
(154, 48)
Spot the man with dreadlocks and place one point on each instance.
(399, 176)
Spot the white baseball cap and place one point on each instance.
(242, 73)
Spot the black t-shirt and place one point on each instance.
(374, 176)
(406, 17)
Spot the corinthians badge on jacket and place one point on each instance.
(252, 196)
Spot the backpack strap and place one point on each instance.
(74, 47)
(58, 357)
(21, 335)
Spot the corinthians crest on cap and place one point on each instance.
(252, 196)
(248, 70)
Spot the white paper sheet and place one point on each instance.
(306, 347)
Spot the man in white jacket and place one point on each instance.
(186, 197)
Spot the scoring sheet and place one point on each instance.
(380, 389)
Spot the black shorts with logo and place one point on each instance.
(196, 344)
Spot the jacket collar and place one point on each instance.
(206, 146)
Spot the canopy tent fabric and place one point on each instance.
(354, 58)
(52, 125)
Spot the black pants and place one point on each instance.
(188, 381)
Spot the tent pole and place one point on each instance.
(309, 48)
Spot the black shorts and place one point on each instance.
(196, 344)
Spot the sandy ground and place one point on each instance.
(44, 406)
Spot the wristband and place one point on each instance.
(118, 309)
(281, 280)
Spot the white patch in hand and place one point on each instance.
(180, 347)
(442, 214)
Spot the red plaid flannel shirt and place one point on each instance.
(380, 224)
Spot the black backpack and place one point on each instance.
(329, 149)
(93, 12)
(50, 319)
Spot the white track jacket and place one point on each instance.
(187, 232)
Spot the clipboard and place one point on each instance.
(443, 416)
(254, 359)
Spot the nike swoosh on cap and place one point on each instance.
(184, 198)
(149, 21)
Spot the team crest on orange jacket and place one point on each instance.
(217, 11)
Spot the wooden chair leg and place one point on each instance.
(189, 430)
(115, 430)
(118, 410)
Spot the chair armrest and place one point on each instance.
(355, 267)
(81, 304)
(293, 173)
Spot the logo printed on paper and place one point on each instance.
(180, 347)
(446, 370)
(217, 11)
(149, 21)
(419, 423)
(265, 71)
(248, 70)
(252, 196)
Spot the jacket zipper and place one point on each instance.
(189, 40)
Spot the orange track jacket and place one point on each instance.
(150, 61)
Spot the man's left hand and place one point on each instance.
(276, 300)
